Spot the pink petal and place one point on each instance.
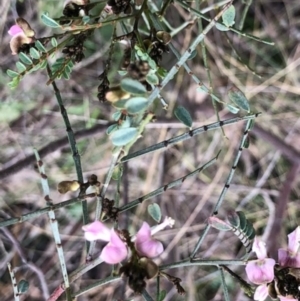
(96, 230)
(286, 299)
(259, 247)
(115, 251)
(294, 240)
(261, 293)
(145, 245)
(15, 29)
(260, 271)
(286, 259)
(150, 248)
(144, 233)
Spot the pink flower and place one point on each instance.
(96, 230)
(14, 30)
(145, 245)
(291, 256)
(115, 251)
(286, 299)
(261, 292)
(260, 271)
(21, 34)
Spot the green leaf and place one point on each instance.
(44, 64)
(234, 219)
(184, 116)
(155, 212)
(86, 19)
(228, 16)
(40, 46)
(218, 224)
(120, 104)
(23, 286)
(152, 79)
(132, 86)
(54, 42)
(162, 72)
(117, 115)
(243, 220)
(151, 62)
(68, 69)
(111, 128)
(35, 68)
(49, 21)
(232, 109)
(193, 54)
(126, 123)
(162, 295)
(66, 74)
(122, 72)
(25, 58)
(117, 173)
(221, 27)
(12, 73)
(247, 142)
(71, 64)
(250, 232)
(136, 104)
(123, 136)
(21, 67)
(251, 125)
(238, 98)
(34, 53)
(14, 83)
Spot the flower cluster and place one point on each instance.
(117, 250)
(280, 278)
(21, 34)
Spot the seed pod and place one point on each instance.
(65, 186)
(163, 37)
(150, 267)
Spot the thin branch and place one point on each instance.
(14, 282)
(54, 226)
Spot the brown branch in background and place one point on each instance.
(281, 205)
(50, 148)
(287, 150)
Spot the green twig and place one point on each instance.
(146, 296)
(204, 56)
(197, 13)
(185, 136)
(225, 289)
(162, 189)
(186, 55)
(226, 186)
(244, 14)
(72, 143)
(188, 263)
(201, 85)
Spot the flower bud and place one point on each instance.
(149, 266)
(65, 186)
